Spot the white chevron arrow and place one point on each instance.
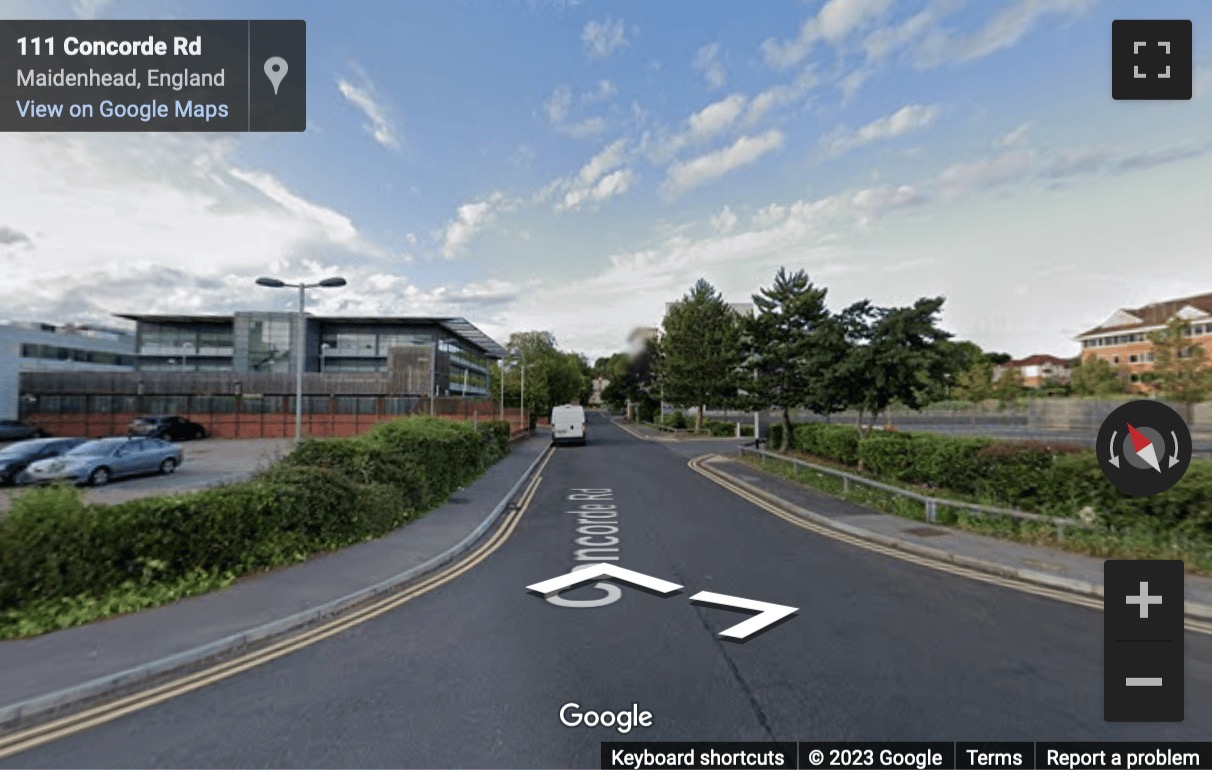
(768, 613)
(593, 572)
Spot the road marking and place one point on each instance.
(768, 614)
(591, 572)
(95, 716)
(698, 465)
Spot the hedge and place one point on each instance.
(326, 494)
(1050, 478)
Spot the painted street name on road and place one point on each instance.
(597, 529)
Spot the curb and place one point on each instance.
(1193, 610)
(61, 699)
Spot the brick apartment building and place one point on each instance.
(1123, 339)
(1040, 370)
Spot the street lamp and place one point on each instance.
(501, 371)
(275, 283)
(522, 401)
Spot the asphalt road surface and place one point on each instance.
(475, 672)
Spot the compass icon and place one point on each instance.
(1144, 448)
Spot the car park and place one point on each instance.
(15, 458)
(168, 427)
(15, 430)
(97, 462)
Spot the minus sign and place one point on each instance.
(1143, 681)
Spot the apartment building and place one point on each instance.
(1040, 370)
(1123, 339)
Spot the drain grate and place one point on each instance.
(457, 500)
(924, 531)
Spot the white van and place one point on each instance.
(568, 424)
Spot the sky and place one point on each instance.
(572, 166)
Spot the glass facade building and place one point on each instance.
(447, 356)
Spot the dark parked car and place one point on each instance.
(15, 458)
(168, 427)
(15, 430)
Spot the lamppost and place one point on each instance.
(522, 401)
(501, 372)
(275, 283)
(324, 346)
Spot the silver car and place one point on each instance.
(96, 462)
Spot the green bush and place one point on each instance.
(831, 441)
(57, 551)
(888, 455)
(775, 436)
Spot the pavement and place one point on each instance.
(474, 672)
(51, 664)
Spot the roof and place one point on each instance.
(1157, 314)
(453, 324)
(1040, 359)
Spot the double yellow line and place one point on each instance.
(699, 465)
(107, 712)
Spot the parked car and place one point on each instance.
(15, 458)
(15, 430)
(169, 427)
(96, 462)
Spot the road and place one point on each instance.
(474, 672)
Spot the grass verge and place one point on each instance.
(1143, 541)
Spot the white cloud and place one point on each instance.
(884, 41)
(781, 95)
(1080, 160)
(724, 220)
(707, 61)
(701, 126)
(559, 104)
(1004, 29)
(1015, 138)
(687, 175)
(996, 170)
(601, 178)
(912, 117)
(469, 220)
(876, 202)
(604, 91)
(364, 97)
(88, 9)
(602, 38)
(159, 223)
(835, 22)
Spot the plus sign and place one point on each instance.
(1144, 600)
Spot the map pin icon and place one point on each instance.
(275, 70)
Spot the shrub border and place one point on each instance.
(51, 703)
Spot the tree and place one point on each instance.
(1008, 386)
(553, 376)
(895, 354)
(786, 344)
(975, 383)
(632, 378)
(700, 353)
(1181, 370)
(1097, 377)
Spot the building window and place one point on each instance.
(1115, 359)
(1132, 359)
(269, 345)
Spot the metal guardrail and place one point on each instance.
(931, 504)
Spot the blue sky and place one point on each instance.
(572, 166)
